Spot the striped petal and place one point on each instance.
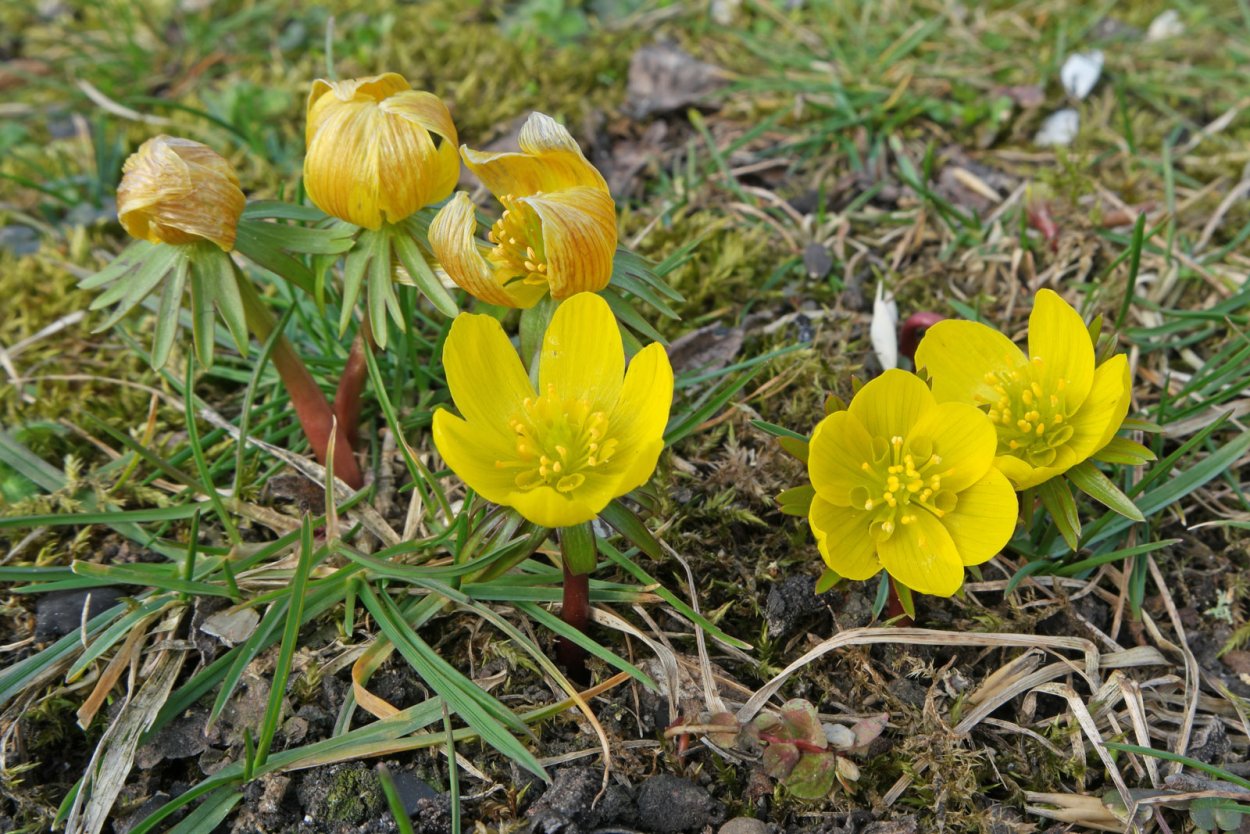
(550, 160)
(453, 241)
(579, 238)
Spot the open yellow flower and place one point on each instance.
(378, 150)
(907, 484)
(591, 433)
(557, 233)
(1051, 409)
(179, 191)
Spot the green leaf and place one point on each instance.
(577, 546)
(827, 580)
(227, 298)
(1124, 451)
(202, 314)
(422, 275)
(353, 278)
(167, 315)
(624, 521)
(1057, 499)
(1086, 477)
(128, 259)
(905, 598)
(796, 501)
(132, 289)
(381, 289)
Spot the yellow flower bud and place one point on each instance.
(179, 191)
(378, 150)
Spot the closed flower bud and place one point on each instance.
(378, 150)
(179, 191)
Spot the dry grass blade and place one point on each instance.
(921, 637)
(114, 756)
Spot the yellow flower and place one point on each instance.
(378, 150)
(907, 484)
(557, 232)
(179, 191)
(1053, 408)
(592, 433)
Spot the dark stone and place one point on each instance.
(1209, 743)
(744, 825)
(667, 805)
(818, 260)
(20, 240)
(566, 806)
(429, 809)
(124, 824)
(790, 602)
(60, 612)
(179, 739)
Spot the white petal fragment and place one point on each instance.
(884, 328)
(1167, 25)
(1060, 128)
(1080, 73)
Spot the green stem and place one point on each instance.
(311, 407)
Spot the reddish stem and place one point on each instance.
(348, 397)
(311, 407)
(894, 608)
(576, 612)
(913, 331)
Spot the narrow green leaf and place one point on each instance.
(353, 278)
(109, 517)
(228, 300)
(1057, 499)
(422, 275)
(827, 580)
(129, 258)
(167, 315)
(381, 287)
(1086, 477)
(202, 314)
(624, 521)
(1121, 450)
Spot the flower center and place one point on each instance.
(557, 440)
(906, 480)
(1030, 414)
(518, 239)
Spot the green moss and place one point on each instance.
(354, 795)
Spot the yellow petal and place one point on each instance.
(550, 160)
(372, 153)
(835, 457)
(963, 437)
(579, 238)
(1060, 340)
(582, 355)
(484, 373)
(1023, 475)
(922, 556)
(891, 404)
(641, 415)
(471, 453)
(1104, 410)
(959, 354)
(548, 507)
(842, 537)
(983, 519)
(461, 256)
(179, 191)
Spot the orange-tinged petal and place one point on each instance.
(1060, 347)
(550, 160)
(484, 373)
(582, 355)
(984, 518)
(890, 405)
(963, 437)
(842, 537)
(641, 414)
(1104, 410)
(959, 354)
(838, 449)
(372, 155)
(579, 238)
(923, 557)
(179, 191)
(461, 255)
(471, 453)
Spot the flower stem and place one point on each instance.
(576, 612)
(347, 397)
(311, 407)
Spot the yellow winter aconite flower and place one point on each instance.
(378, 150)
(591, 432)
(557, 233)
(907, 484)
(179, 191)
(1053, 408)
